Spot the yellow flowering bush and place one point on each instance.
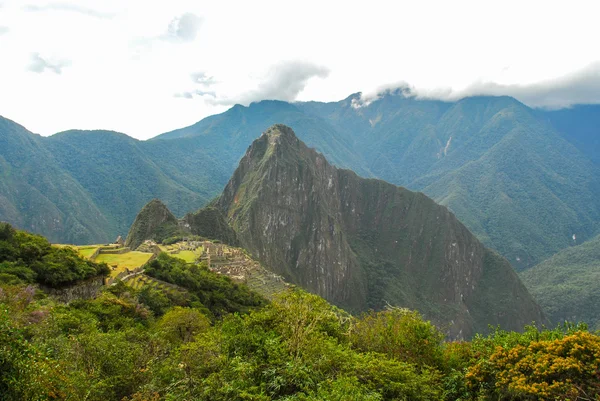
(561, 369)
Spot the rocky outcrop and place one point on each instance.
(364, 243)
(86, 289)
(154, 222)
(210, 222)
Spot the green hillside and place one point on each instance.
(194, 334)
(567, 286)
(36, 194)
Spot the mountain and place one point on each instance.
(510, 173)
(155, 222)
(363, 243)
(209, 222)
(36, 194)
(522, 180)
(121, 175)
(567, 285)
(231, 132)
(580, 125)
(501, 167)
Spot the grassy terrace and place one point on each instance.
(87, 251)
(131, 260)
(188, 256)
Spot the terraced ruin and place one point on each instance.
(128, 266)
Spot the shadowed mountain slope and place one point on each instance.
(362, 243)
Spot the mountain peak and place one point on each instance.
(363, 243)
(277, 132)
(155, 221)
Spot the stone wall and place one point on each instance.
(87, 289)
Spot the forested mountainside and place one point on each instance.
(364, 243)
(522, 180)
(580, 126)
(567, 285)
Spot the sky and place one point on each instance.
(144, 68)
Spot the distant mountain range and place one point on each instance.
(360, 243)
(524, 181)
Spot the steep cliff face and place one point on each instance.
(210, 222)
(155, 221)
(362, 243)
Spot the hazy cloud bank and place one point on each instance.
(71, 8)
(283, 81)
(579, 87)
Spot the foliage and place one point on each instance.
(565, 368)
(215, 292)
(29, 258)
(567, 286)
(399, 333)
(296, 348)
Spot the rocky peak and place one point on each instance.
(155, 221)
(364, 243)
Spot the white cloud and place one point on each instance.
(155, 66)
(40, 64)
(578, 87)
(69, 7)
(184, 28)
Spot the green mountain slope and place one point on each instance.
(580, 125)
(362, 243)
(230, 133)
(118, 174)
(567, 285)
(36, 194)
(154, 222)
(505, 171)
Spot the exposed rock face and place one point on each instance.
(362, 243)
(210, 222)
(154, 222)
(87, 289)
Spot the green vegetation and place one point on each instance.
(188, 256)
(567, 286)
(87, 251)
(215, 292)
(129, 260)
(130, 345)
(29, 258)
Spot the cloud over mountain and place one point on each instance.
(578, 87)
(283, 81)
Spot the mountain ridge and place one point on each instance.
(363, 242)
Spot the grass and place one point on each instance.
(87, 251)
(131, 260)
(188, 256)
